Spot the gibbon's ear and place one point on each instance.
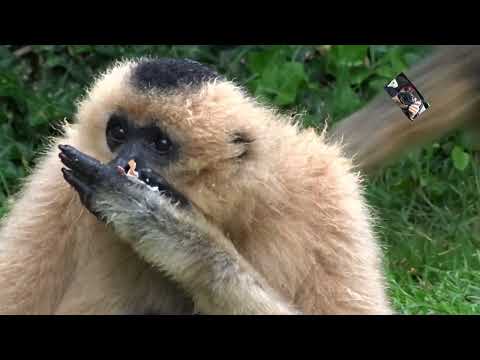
(243, 140)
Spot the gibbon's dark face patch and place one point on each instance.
(166, 73)
(148, 145)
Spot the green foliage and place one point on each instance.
(427, 204)
(277, 76)
(460, 158)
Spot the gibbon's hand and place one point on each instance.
(94, 181)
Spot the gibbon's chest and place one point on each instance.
(109, 278)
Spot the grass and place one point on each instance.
(427, 203)
(429, 214)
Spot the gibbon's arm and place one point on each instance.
(167, 231)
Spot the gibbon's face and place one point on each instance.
(176, 117)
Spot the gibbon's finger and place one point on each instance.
(79, 162)
(82, 189)
(85, 192)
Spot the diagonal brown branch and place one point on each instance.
(449, 79)
(23, 51)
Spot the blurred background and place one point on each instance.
(427, 202)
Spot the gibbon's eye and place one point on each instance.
(116, 132)
(157, 140)
(162, 144)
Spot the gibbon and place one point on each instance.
(232, 208)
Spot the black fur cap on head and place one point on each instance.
(168, 73)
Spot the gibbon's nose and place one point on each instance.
(129, 152)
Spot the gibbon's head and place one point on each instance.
(184, 121)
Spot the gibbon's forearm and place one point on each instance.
(219, 279)
(246, 293)
(195, 254)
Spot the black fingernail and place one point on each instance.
(65, 148)
(66, 172)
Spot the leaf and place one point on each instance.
(397, 61)
(349, 55)
(108, 50)
(359, 75)
(376, 85)
(460, 158)
(343, 99)
(7, 58)
(281, 82)
(54, 61)
(9, 85)
(259, 61)
(386, 71)
(80, 49)
(291, 76)
(437, 188)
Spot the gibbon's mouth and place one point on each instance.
(152, 180)
(145, 176)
